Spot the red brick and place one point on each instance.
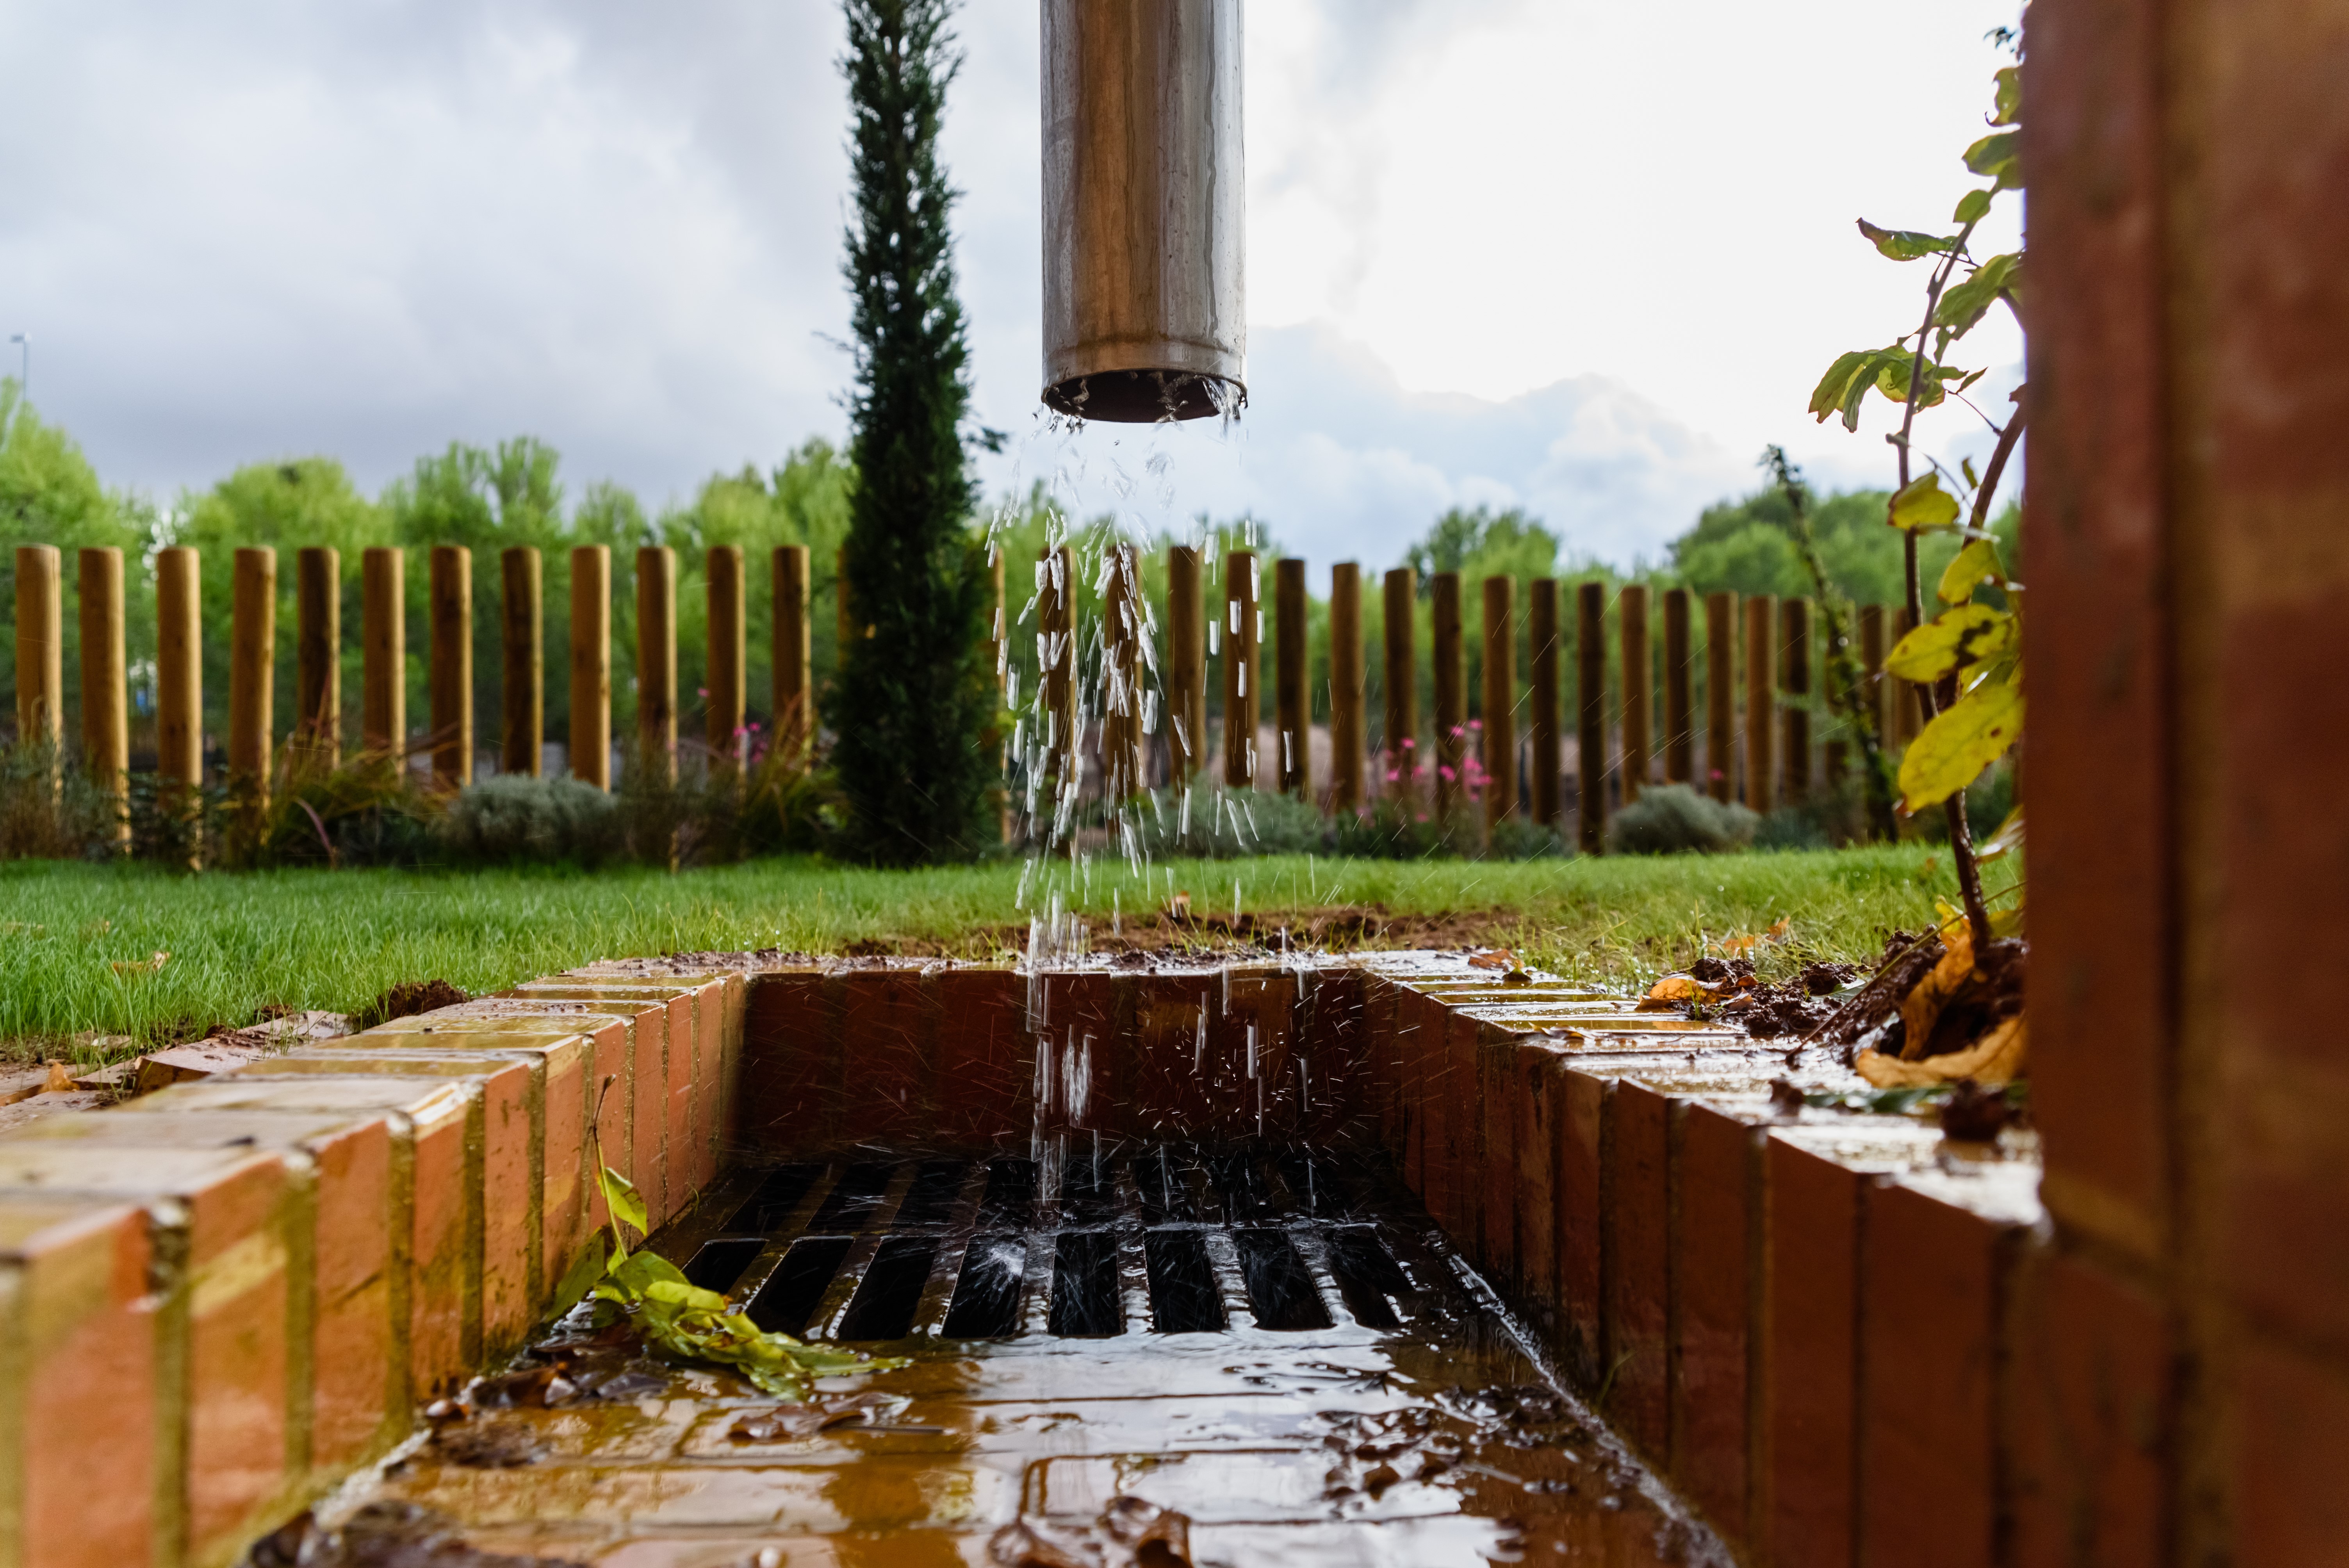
(791, 1066)
(1419, 1040)
(1638, 1267)
(1072, 1009)
(2291, 1415)
(986, 1078)
(1713, 1198)
(78, 1391)
(631, 1052)
(1498, 1066)
(1263, 1107)
(1539, 1102)
(1335, 1104)
(1580, 1244)
(2283, 1178)
(2091, 1399)
(1808, 1407)
(887, 1080)
(1930, 1283)
(1168, 1068)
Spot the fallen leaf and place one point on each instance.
(1996, 1059)
(1675, 988)
(61, 1079)
(1738, 944)
(1921, 1008)
(1498, 958)
(141, 966)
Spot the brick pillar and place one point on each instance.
(2188, 552)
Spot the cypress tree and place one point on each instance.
(912, 704)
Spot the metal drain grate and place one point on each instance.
(1166, 1241)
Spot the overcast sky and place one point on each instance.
(1584, 258)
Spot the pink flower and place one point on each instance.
(1408, 743)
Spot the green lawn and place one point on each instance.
(336, 939)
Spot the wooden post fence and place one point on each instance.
(1056, 625)
(1500, 716)
(1346, 737)
(1761, 701)
(1871, 660)
(253, 647)
(589, 739)
(1451, 697)
(1401, 682)
(1721, 695)
(40, 645)
(1122, 634)
(1794, 680)
(178, 668)
(794, 727)
(1293, 678)
(318, 653)
(1243, 689)
(383, 654)
(1548, 743)
(1186, 664)
(452, 668)
(1680, 713)
(1639, 682)
(1590, 731)
(657, 661)
(729, 656)
(522, 646)
(104, 686)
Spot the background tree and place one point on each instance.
(914, 703)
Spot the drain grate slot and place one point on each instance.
(720, 1261)
(783, 1304)
(1367, 1275)
(769, 1208)
(1184, 1298)
(854, 1198)
(930, 1201)
(891, 1291)
(1279, 1285)
(1088, 1192)
(1010, 1202)
(1084, 1285)
(986, 1303)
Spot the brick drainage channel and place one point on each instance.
(1273, 1358)
(248, 1289)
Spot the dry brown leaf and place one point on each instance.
(61, 1079)
(1996, 1059)
(1921, 1008)
(1676, 988)
(1498, 958)
(141, 966)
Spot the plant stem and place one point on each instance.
(1846, 679)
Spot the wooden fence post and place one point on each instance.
(657, 661)
(1186, 664)
(844, 631)
(1590, 730)
(1450, 696)
(588, 741)
(1721, 695)
(41, 646)
(1243, 685)
(1345, 737)
(1056, 624)
(383, 654)
(1292, 708)
(1794, 680)
(730, 653)
(1120, 733)
(794, 585)
(1500, 746)
(105, 689)
(253, 647)
(1761, 701)
(452, 673)
(178, 668)
(521, 648)
(1680, 711)
(1639, 687)
(318, 653)
(1548, 743)
(1871, 661)
(1401, 682)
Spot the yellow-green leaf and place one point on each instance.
(1965, 302)
(1905, 244)
(620, 1194)
(676, 1293)
(2005, 841)
(1952, 751)
(1924, 504)
(579, 1279)
(1998, 156)
(1951, 641)
(1975, 565)
(1973, 206)
(2008, 109)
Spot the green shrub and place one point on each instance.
(514, 819)
(1673, 819)
(1517, 839)
(49, 811)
